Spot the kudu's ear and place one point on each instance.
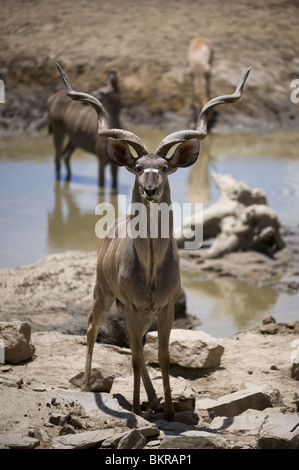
(119, 153)
(185, 154)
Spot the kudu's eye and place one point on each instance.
(138, 168)
(164, 168)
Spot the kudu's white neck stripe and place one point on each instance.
(147, 170)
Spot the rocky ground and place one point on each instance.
(229, 406)
(253, 375)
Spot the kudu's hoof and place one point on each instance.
(169, 416)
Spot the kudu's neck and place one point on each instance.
(155, 221)
(114, 121)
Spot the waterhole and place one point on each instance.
(40, 215)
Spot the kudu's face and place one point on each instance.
(151, 170)
(151, 173)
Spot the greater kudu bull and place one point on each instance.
(142, 273)
(79, 123)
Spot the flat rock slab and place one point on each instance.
(103, 404)
(194, 440)
(82, 440)
(257, 398)
(18, 441)
(250, 423)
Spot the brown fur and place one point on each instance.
(78, 122)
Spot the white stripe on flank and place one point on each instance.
(80, 116)
(54, 103)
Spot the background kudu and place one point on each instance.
(200, 57)
(79, 123)
(142, 273)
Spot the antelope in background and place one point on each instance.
(79, 123)
(143, 273)
(200, 56)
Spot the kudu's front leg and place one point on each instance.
(92, 332)
(153, 401)
(95, 321)
(165, 321)
(134, 333)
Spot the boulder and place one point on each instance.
(280, 431)
(145, 431)
(15, 339)
(183, 403)
(187, 348)
(132, 440)
(98, 381)
(58, 419)
(269, 429)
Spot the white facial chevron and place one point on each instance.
(147, 170)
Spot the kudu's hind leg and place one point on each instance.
(58, 142)
(67, 155)
(153, 401)
(95, 320)
(134, 334)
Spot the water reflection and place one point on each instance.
(227, 303)
(199, 185)
(69, 226)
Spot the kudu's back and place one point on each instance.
(74, 119)
(78, 122)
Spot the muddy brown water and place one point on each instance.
(40, 216)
